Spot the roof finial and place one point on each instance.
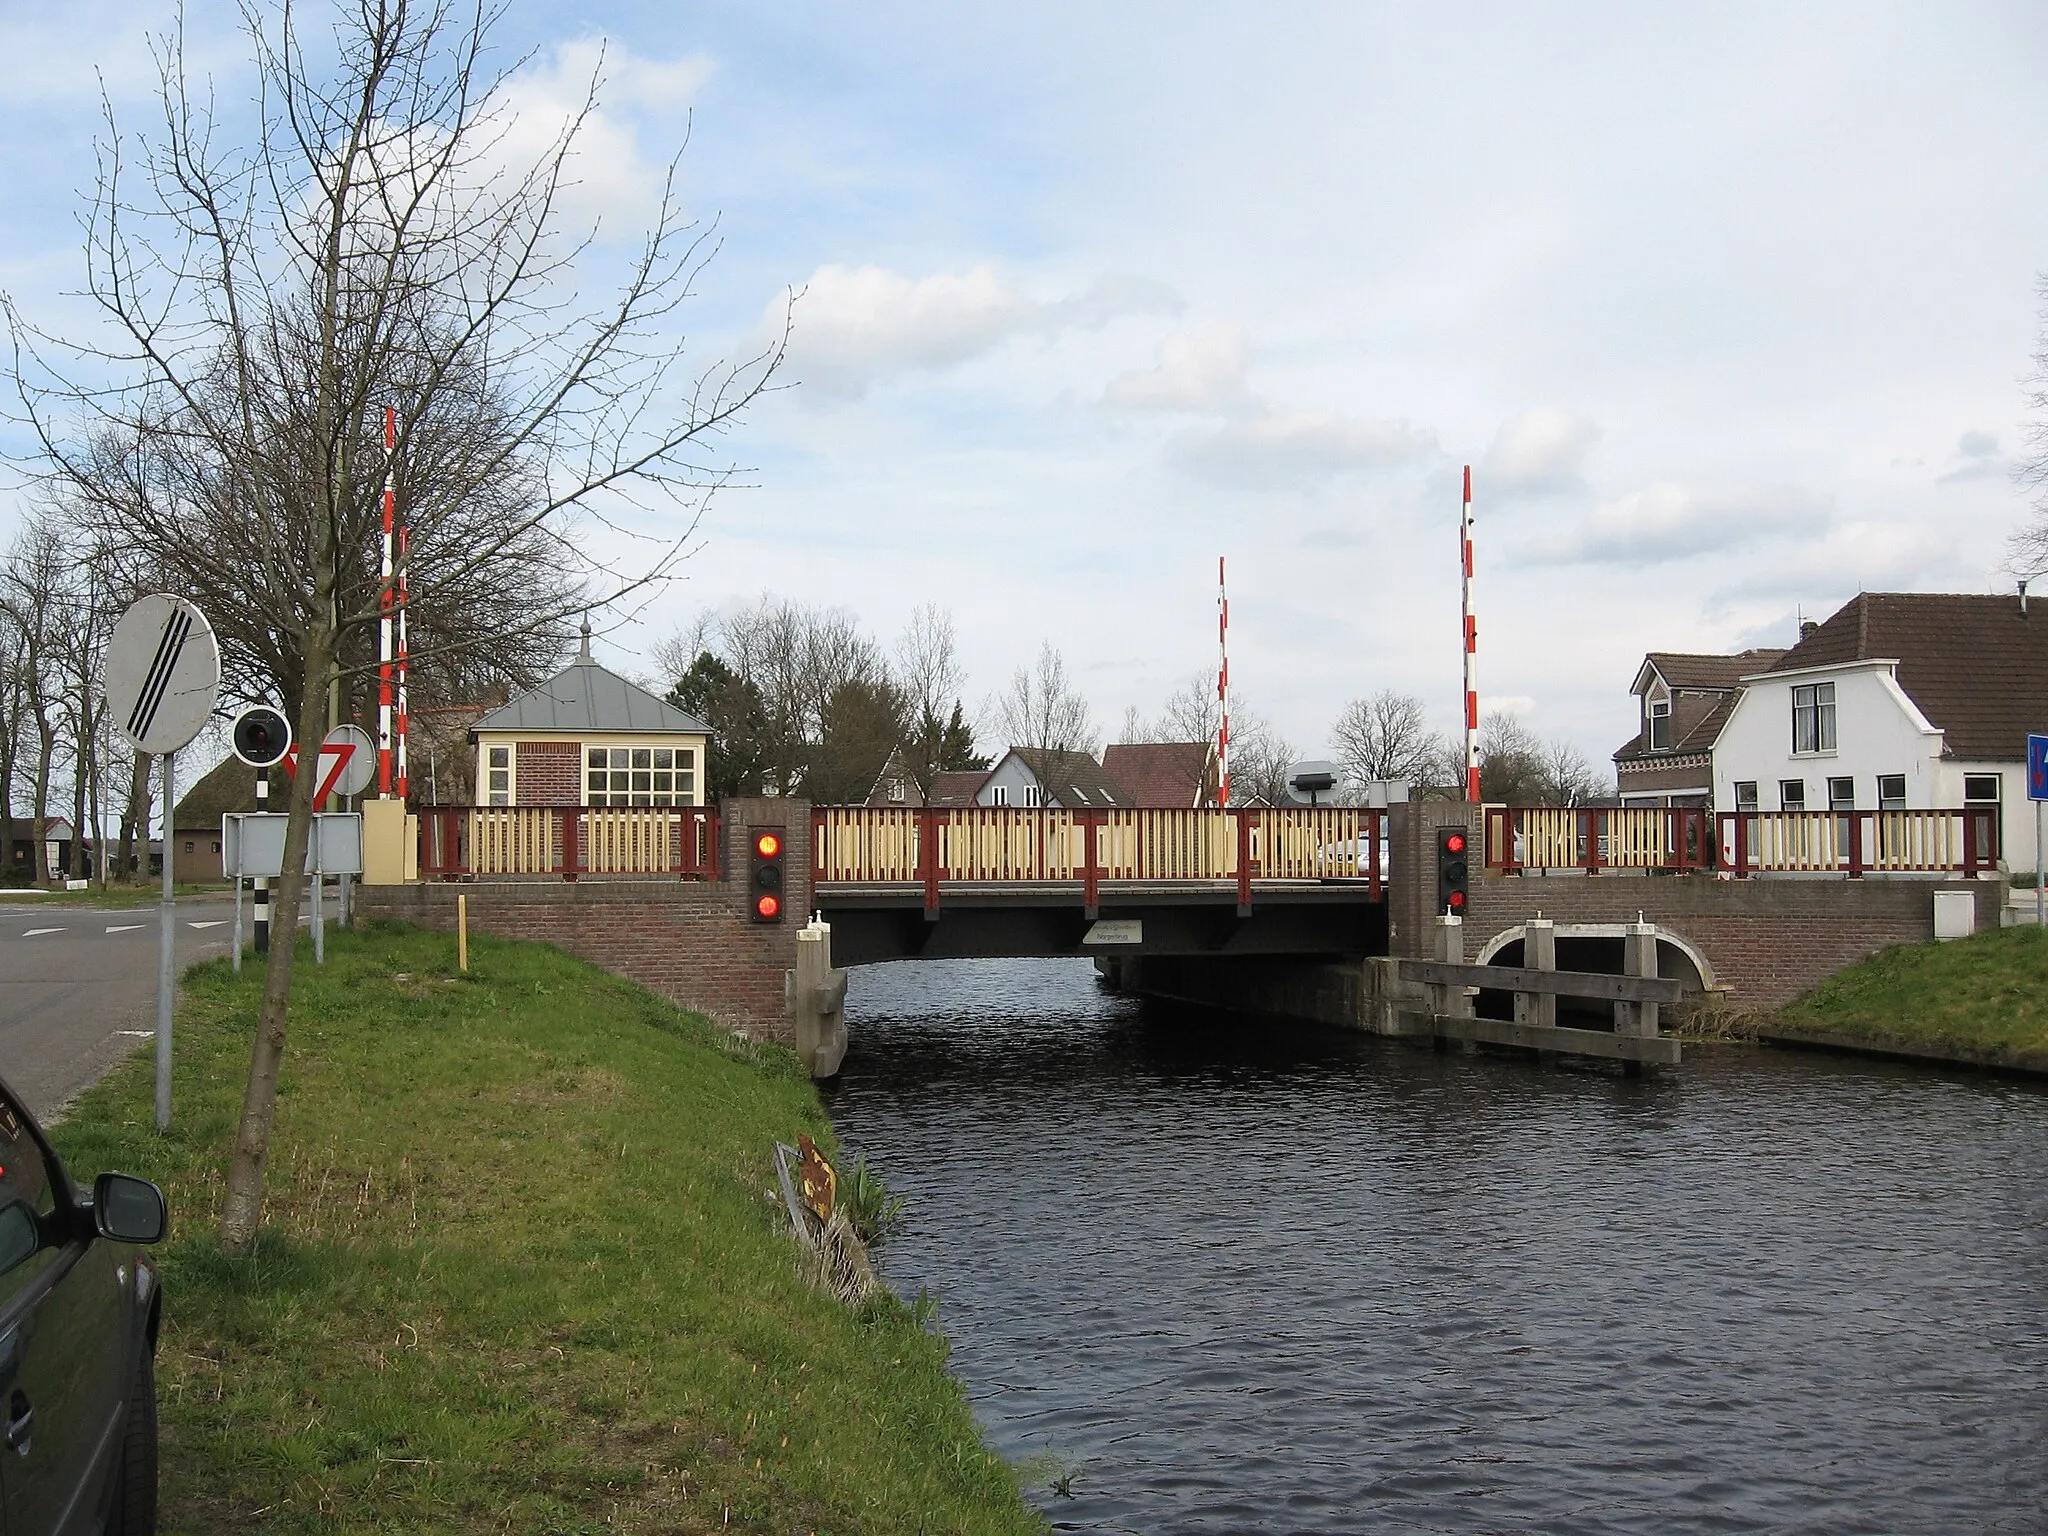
(583, 651)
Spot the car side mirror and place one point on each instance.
(128, 1209)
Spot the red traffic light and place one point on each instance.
(1457, 900)
(768, 906)
(1455, 843)
(767, 844)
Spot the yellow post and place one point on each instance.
(462, 932)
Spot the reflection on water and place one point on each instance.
(1238, 1277)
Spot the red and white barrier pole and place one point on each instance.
(1222, 686)
(404, 562)
(385, 599)
(1471, 649)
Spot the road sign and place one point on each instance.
(348, 761)
(163, 671)
(2037, 767)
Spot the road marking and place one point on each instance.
(218, 922)
(35, 933)
(125, 927)
(140, 1034)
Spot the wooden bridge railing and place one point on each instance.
(868, 845)
(1741, 843)
(568, 841)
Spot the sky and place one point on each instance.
(1730, 309)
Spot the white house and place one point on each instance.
(1682, 702)
(1900, 701)
(1033, 776)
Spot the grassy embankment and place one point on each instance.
(520, 1272)
(1981, 1000)
(96, 896)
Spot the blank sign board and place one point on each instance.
(252, 844)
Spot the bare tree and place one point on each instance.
(379, 243)
(1040, 708)
(1568, 779)
(929, 678)
(31, 592)
(1386, 736)
(1259, 763)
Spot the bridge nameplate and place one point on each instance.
(1115, 931)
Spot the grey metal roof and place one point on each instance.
(584, 696)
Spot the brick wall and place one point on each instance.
(690, 941)
(1767, 940)
(550, 772)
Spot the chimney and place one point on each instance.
(1807, 627)
(2023, 597)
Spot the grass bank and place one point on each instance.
(1981, 1000)
(520, 1273)
(95, 896)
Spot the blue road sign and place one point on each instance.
(2037, 767)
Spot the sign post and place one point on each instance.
(163, 673)
(2037, 791)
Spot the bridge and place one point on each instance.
(1290, 910)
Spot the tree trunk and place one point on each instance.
(242, 1211)
(46, 752)
(74, 860)
(136, 815)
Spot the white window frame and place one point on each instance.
(999, 794)
(1819, 708)
(1745, 795)
(1892, 801)
(1660, 716)
(1785, 800)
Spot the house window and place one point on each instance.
(1841, 794)
(1891, 791)
(1813, 717)
(896, 791)
(1660, 725)
(216, 845)
(999, 795)
(1745, 794)
(500, 770)
(188, 845)
(1792, 794)
(639, 776)
(1033, 795)
(1980, 789)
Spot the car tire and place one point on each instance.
(135, 1512)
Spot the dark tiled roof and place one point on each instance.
(1161, 775)
(584, 696)
(1695, 726)
(1683, 669)
(230, 785)
(1072, 779)
(957, 786)
(1974, 663)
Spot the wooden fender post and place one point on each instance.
(1450, 950)
(1539, 953)
(817, 1001)
(1639, 958)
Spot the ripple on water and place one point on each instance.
(1242, 1278)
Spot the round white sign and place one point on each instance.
(350, 757)
(163, 672)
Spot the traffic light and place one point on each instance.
(764, 876)
(1452, 870)
(260, 736)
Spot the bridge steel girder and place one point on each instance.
(1311, 922)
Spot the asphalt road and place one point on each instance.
(78, 988)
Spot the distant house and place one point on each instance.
(897, 787)
(1900, 701)
(196, 823)
(587, 736)
(1163, 775)
(1034, 776)
(1682, 701)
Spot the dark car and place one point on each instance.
(78, 1324)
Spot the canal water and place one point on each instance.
(1207, 1274)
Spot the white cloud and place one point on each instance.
(1539, 452)
(1667, 521)
(1976, 458)
(1275, 450)
(855, 324)
(1200, 369)
(610, 181)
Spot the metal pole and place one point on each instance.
(166, 957)
(1222, 688)
(1471, 647)
(238, 925)
(262, 885)
(319, 914)
(2040, 862)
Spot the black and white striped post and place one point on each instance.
(261, 737)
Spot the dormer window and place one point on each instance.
(1813, 717)
(1660, 725)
